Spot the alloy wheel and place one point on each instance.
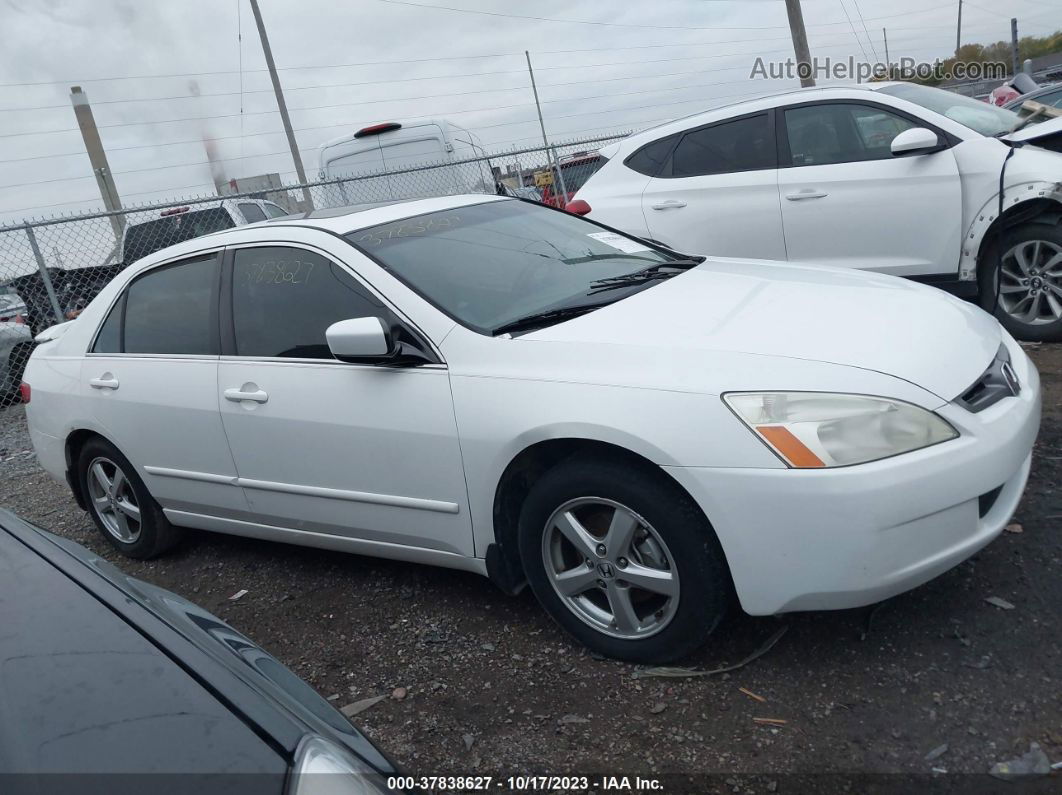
(113, 500)
(610, 568)
(1030, 282)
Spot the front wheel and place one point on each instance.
(1024, 289)
(623, 559)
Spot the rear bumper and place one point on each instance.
(833, 539)
(51, 453)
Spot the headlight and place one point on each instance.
(819, 429)
(324, 768)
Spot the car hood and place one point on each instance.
(816, 313)
(273, 686)
(1040, 131)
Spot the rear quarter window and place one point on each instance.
(651, 158)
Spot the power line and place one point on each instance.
(592, 22)
(862, 21)
(413, 118)
(565, 67)
(899, 41)
(854, 34)
(485, 55)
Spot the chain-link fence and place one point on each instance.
(50, 269)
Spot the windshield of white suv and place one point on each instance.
(507, 263)
(978, 116)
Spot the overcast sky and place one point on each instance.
(163, 74)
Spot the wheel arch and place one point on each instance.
(1021, 203)
(504, 566)
(75, 441)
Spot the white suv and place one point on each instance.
(501, 387)
(890, 177)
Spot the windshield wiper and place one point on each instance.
(657, 271)
(546, 317)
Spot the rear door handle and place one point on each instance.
(669, 205)
(236, 395)
(806, 194)
(105, 381)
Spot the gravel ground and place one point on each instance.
(493, 686)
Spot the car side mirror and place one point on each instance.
(916, 141)
(361, 340)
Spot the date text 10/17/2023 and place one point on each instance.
(527, 783)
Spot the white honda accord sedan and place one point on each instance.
(501, 387)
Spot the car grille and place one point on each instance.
(997, 382)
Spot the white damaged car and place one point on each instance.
(500, 387)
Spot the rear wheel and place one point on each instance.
(623, 559)
(120, 504)
(1024, 289)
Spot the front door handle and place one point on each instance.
(236, 395)
(806, 194)
(671, 204)
(105, 381)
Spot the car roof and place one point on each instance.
(335, 220)
(757, 101)
(342, 220)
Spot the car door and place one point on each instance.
(717, 195)
(847, 201)
(366, 452)
(150, 377)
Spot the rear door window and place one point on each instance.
(109, 338)
(741, 145)
(173, 309)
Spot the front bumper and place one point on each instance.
(847, 537)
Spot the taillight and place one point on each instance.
(24, 392)
(577, 207)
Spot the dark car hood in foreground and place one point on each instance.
(83, 692)
(102, 672)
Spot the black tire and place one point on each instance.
(155, 534)
(704, 584)
(1050, 236)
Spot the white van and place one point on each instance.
(409, 149)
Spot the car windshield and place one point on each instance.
(488, 265)
(978, 116)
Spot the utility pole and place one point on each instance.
(299, 170)
(800, 42)
(550, 153)
(98, 159)
(888, 63)
(1014, 45)
(958, 31)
